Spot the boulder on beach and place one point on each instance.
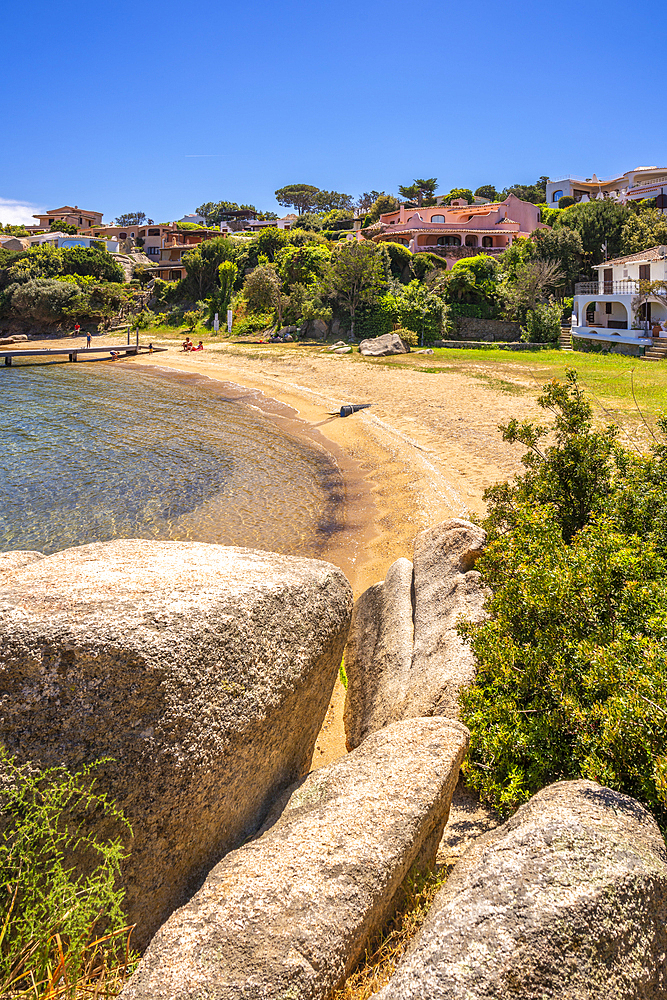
(15, 338)
(404, 656)
(568, 899)
(337, 345)
(290, 913)
(388, 343)
(203, 671)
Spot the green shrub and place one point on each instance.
(61, 902)
(409, 336)
(377, 318)
(572, 660)
(543, 323)
(42, 299)
(400, 259)
(565, 201)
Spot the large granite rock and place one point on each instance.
(205, 673)
(404, 656)
(379, 347)
(11, 561)
(447, 587)
(378, 657)
(566, 900)
(289, 914)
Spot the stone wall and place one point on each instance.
(470, 328)
(606, 347)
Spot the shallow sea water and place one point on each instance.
(97, 451)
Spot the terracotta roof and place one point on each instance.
(655, 253)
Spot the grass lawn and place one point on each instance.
(610, 380)
(621, 389)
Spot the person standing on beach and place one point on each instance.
(77, 329)
(88, 340)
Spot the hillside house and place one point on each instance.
(623, 305)
(72, 215)
(460, 230)
(633, 185)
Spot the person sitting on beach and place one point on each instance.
(187, 344)
(199, 347)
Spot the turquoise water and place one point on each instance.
(98, 451)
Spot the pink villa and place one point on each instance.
(459, 230)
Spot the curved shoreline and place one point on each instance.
(378, 462)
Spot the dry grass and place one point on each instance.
(383, 955)
(108, 964)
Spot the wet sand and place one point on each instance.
(424, 452)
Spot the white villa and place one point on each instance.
(633, 185)
(620, 310)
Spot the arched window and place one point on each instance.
(487, 241)
(437, 218)
(471, 241)
(449, 241)
(556, 195)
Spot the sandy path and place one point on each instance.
(425, 451)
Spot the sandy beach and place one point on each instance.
(424, 451)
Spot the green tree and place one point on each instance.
(598, 223)
(263, 290)
(383, 204)
(227, 274)
(355, 276)
(302, 197)
(400, 259)
(45, 261)
(215, 211)
(543, 323)
(331, 201)
(365, 200)
(520, 251)
(535, 193)
(303, 265)
(131, 219)
(337, 218)
(487, 191)
(642, 231)
(420, 191)
(420, 310)
(572, 669)
(63, 227)
(456, 193)
(309, 220)
(202, 263)
(472, 280)
(562, 246)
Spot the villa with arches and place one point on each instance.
(626, 306)
(460, 230)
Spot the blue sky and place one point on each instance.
(158, 107)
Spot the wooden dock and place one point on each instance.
(72, 354)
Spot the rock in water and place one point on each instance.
(404, 656)
(204, 671)
(378, 657)
(379, 347)
(566, 900)
(289, 914)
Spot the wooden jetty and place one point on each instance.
(72, 353)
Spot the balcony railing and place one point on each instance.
(606, 287)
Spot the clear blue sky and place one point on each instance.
(123, 106)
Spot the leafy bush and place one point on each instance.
(565, 201)
(400, 259)
(42, 299)
(47, 261)
(421, 311)
(543, 323)
(572, 661)
(376, 319)
(424, 263)
(61, 902)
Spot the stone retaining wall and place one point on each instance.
(471, 328)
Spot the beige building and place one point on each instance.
(72, 215)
